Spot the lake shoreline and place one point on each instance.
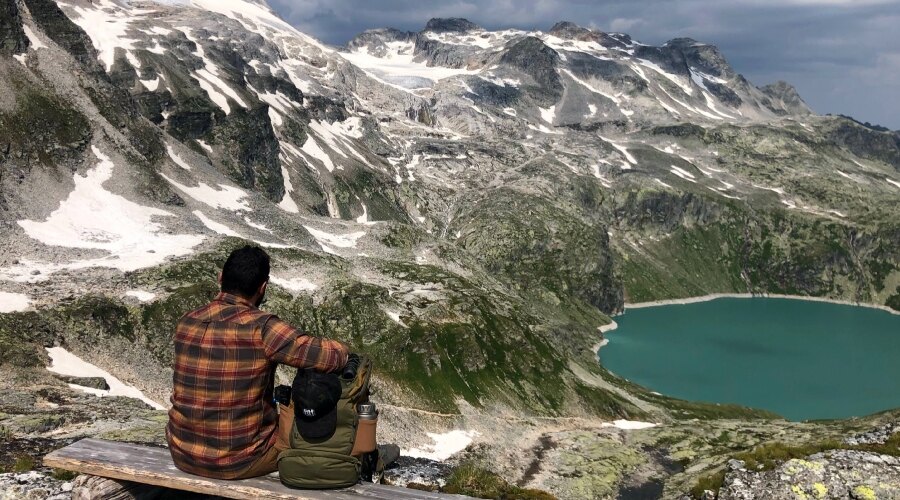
(713, 296)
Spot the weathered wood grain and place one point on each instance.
(147, 465)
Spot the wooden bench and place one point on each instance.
(153, 466)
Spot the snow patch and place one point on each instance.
(324, 238)
(891, 181)
(36, 42)
(622, 149)
(141, 295)
(92, 217)
(287, 203)
(13, 302)
(107, 24)
(225, 197)
(669, 76)
(398, 65)
(177, 159)
(684, 174)
(295, 284)
(151, 85)
(395, 317)
(215, 226)
(255, 225)
(275, 118)
(628, 424)
(444, 445)
(65, 363)
(548, 114)
(312, 148)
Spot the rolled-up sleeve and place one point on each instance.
(287, 345)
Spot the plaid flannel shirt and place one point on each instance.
(222, 417)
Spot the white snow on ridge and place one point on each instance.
(107, 25)
(548, 114)
(312, 148)
(628, 424)
(623, 150)
(209, 79)
(324, 238)
(151, 85)
(336, 135)
(295, 284)
(669, 76)
(684, 174)
(215, 226)
(36, 42)
(92, 217)
(275, 118)
(141, 295)
(590, 87)
(13, 302)
(895, 183)
(177, 159)
(287, 203)
(227, 197)
(399, 63)
(256, 17)
(65, 363)
(444, 445)
(255, 225)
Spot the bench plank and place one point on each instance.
(148, 465)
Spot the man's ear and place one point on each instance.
(262, 288)
(219, 279)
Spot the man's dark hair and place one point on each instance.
(245, 271)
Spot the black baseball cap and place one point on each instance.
(315, 398)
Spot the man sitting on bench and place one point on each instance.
(223, 423)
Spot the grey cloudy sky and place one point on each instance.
(842, 55)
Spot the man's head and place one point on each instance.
(246, 273)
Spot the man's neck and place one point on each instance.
(234, 298)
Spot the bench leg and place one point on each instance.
(87, 487)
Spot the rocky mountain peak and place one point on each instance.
(451, 25)
(568, 29)
(786, 97)
(379, 36)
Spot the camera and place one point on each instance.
(352, 366)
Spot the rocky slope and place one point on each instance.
(467, 206)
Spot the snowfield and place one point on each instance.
(225, 197)
(93, 218)
(64, 362)
(141, 295)
(444, 445)
(629, 425)
(399, 63)
(13, 302)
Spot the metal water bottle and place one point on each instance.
(365, 431)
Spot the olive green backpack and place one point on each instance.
(327, 463)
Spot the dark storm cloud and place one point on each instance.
(842, 55)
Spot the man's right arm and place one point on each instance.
(287, 345)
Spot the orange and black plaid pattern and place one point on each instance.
(222, 417)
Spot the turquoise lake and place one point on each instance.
(800, 359)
